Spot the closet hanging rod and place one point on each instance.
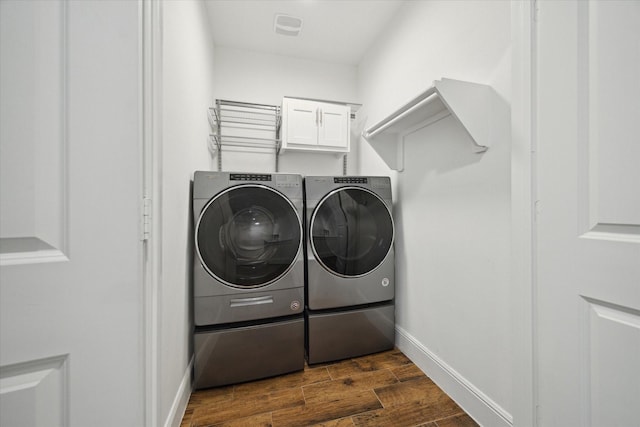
(415, 104)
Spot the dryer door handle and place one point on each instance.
(243, 302)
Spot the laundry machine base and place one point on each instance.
(349, 333)
(246, 353)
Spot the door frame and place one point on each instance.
(523, 205)
(150, 141)
(523, 196)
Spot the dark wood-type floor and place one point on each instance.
(384, 389)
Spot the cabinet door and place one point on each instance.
(301, 118)
(333, 129)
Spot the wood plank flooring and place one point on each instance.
(384, 389)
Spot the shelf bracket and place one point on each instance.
(470, 103)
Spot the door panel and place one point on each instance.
(588, 213)
(334, 125)
(302, 126)
(33, 183)
(612, 386)
(33, 173)
(71, 333)
(35, 393)
(609, 108)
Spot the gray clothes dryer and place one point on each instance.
(350, 267)
(248, 276)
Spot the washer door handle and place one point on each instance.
(243, 302)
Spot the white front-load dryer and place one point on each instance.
(248, 276)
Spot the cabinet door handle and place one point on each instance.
(320, 111)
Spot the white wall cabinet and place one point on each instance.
(315, 126)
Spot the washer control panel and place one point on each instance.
(288, 181)
(249, 177)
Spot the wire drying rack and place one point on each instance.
(244, 125)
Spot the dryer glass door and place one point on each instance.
(351, 231)
(248, 236)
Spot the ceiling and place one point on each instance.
(339, 31)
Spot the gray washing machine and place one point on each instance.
(248, 276)
(349, 228)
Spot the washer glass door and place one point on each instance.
(351, 231)
(248, 236)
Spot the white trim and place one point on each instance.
(150, 83)
(614, 233)
(179, 406)
(523, 195)
(65, 162)
(35, 257)
(475, 403)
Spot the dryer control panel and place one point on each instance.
(350, 180)
(380, 182)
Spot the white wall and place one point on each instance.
(187, 92)
(452, 207)
(246, 76)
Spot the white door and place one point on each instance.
(588, 213)
(71, 338)
(333, 130)
(301, 122)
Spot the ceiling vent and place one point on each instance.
(287, 25)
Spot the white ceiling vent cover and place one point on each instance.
(287, 25)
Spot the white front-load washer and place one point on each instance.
(248, 276)
(350, 266)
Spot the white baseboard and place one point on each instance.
(174, 418)
(478, 405)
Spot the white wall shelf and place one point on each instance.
(469, 103)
